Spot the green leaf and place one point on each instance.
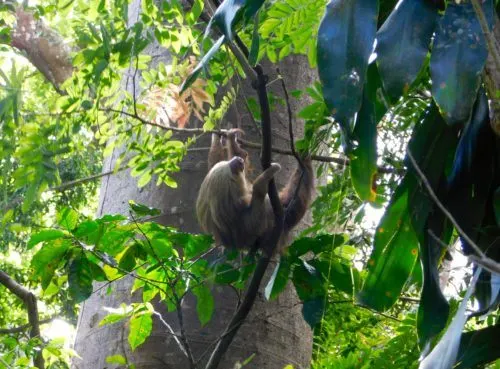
(192, 244)
(345, 42)
(45, 235)
(313, 311)
(141, 326)
(340, 276)
(403, 43)
(316, 245)
(479, 347)
(279, 278)
(47, 259)
(143, 210)
(113, 318)
(431, 145)
(458, 57)
(363, 166)
(88, 231)
(473, 172)
(395, 252)
(254, 49)
(308, 281)
(226, 274)
(97, 273)
(496, 205)
(116, 359)
(204, 303)
(67, 218)
(80, 278)
(126, 260)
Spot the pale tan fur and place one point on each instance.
(237, 212)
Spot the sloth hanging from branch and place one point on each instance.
(237, 212)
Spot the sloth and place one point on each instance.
(237, 212)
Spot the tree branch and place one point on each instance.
(269, 244)
(23, 327)
(29, 300)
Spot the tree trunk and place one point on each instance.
(275, 332)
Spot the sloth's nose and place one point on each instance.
(237, 165)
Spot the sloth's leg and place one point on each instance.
(261, 184)
(233, 147)
(217, 151)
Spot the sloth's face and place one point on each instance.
(237, 165)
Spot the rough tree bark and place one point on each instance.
(275, 331)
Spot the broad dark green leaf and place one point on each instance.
(496, 205)
(226, 274)
(254, 48)
(431, 146)
(231, 12)
(472, 176)
(47, 259)
(313, 311)
(345, 42)
(308, 282)
(458, 57)
(397, 238)
(339, 275)
(479, 347)
(45, 235)
(192, 244)
(395, 252)
(279, 278)
(316, 245)
(143, 210)
(97, 272)
(203, 64)
(141, 326)
(205, 303)
(126, 260)
(80, 279)
(403, 43)
(363, 166)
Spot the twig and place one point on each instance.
(30, 302)
(290, 119)
(269, 244)
(442, 207)
(490, 40)
(23, 327)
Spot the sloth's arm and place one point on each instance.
(261, 184)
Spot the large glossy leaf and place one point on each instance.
(395, 252)
(364, 157)
(430, 146)
(472, 176)
(479, 347)
(231, 12)
(45, 235)
(80, 279)
(345, 42)
(458, 57)
(141, 326)
(204, 303)
(46, 261)
(403, 42)
(397, 237)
